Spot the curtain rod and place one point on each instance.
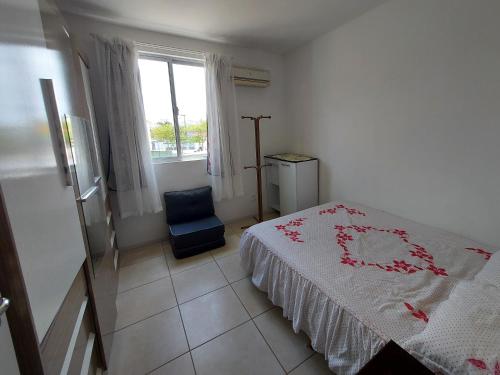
(167, 48)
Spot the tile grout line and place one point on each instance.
(166, 363)
(269, 346)
(170, 275)
(141, 320)
(222, 333)
(230, 284)
(178, 307)
(224, 256)
(192, 362)
(286, 372)
(308, 358)
(170, 308)
(234, 291)
(252, 320)
(196, 347)
(205, 293)
(180, 314)
(138, 286)
(194, 267)
(214, 259)
(162, 245)
(222, 287)
(202, 295)
(237, 296)
(255, 324)
(262, 313)
(140, 261)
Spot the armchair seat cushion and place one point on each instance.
(196, 232)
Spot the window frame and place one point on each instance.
(170, 60)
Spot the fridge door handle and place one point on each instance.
(56, 130)
(88, 194)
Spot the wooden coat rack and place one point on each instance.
(258, 167)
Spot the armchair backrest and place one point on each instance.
(189, 205)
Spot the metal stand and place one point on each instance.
(258, 167)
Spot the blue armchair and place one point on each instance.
(192, 224)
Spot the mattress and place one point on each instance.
(353, 278)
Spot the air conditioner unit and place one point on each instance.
(251, 77)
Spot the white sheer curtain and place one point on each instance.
(224, 164)
(136, 188)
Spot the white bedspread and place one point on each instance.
(352, 277)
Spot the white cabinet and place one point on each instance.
(292, 182)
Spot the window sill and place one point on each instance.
(179, 160)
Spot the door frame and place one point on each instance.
(13, 287)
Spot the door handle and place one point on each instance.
(4, 305)
(88, 194)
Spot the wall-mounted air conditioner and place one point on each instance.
(251, 77)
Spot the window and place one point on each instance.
(175, 105)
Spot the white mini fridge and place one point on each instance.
(292, 182)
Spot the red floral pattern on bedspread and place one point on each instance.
(343, 237)
(294, 235)
(480, 364)
(484, 253)
(419, 314)
(350, 211)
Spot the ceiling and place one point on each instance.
(273, 25)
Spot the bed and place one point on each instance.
(353, 278)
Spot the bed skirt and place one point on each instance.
(346, 343)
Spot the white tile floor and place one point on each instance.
(201, 316)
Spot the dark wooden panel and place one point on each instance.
(94, 362)
(95, 315)
(55, 343)
(19, 314)
(86, 328)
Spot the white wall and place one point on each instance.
(402, 107)
(184, 175)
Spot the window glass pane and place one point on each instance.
(155, 82)
(191, 100)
